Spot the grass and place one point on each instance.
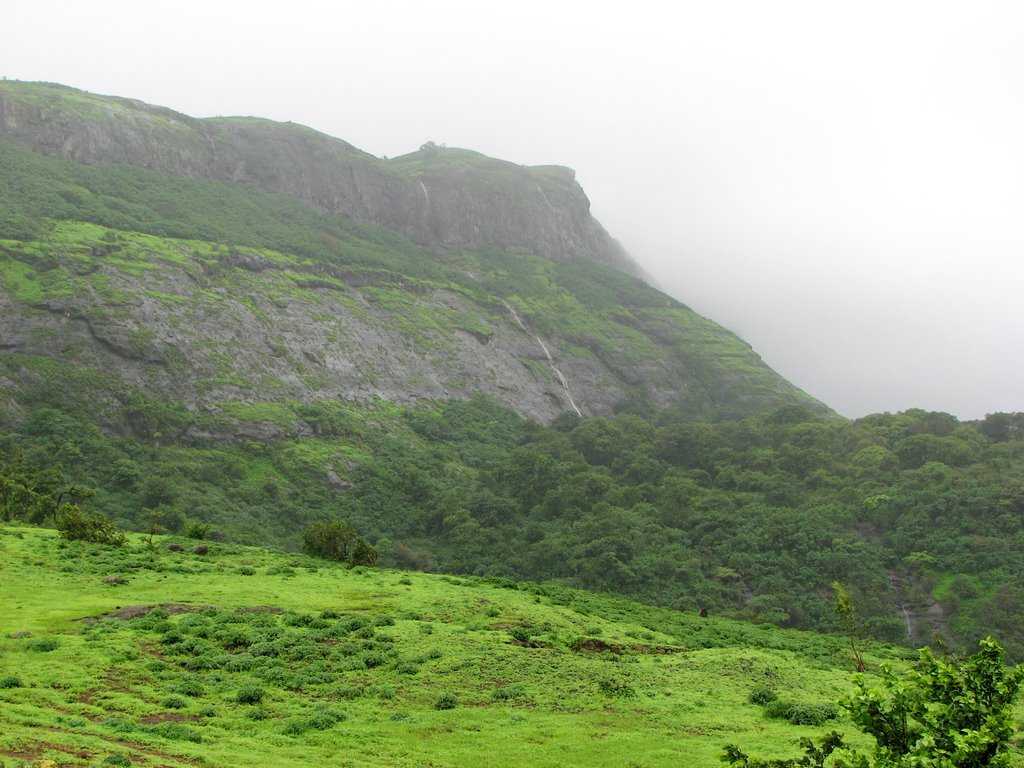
(267, 658)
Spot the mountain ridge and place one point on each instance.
(316, 304)
(438, 197)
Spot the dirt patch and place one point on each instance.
(143, 749)
(86, 697)
(128, 612)
(34, 750)
(596, 645)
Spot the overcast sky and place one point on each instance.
(841, 183)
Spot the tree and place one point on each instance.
(337, 540)
(76, 525)
(847, 613)
(940, 714)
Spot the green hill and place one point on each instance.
(260, 659)
(249, 327)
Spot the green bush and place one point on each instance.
(197, 530)
(323, 719)
(76, 525)
(801, 714)
(763, 694)
(250, 694)
(338, 541)
(174, 702)
(10, 681)
(44, 644)
(446, 701)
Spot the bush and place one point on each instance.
(189, 688)
(446, 701)
(508, 693)
(177, 732)
(118, 760)
(10, 681)
(338, 541)
(323, 719)
(44, 645)
(250, 694)
(76, 525)
(295, 727)
(174, 702)
(763, 694)
(197, 530)
(617, 688)
(801, 714)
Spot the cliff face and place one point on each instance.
(438, 197)
(201, 263)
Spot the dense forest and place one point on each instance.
(920, 515)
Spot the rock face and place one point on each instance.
(515, 291)
(439, 197)
(197, 325)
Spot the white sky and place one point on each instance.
(841, 183)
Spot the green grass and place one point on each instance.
(359, 665)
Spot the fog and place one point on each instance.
(842, 184)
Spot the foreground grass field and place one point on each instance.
(245, 657)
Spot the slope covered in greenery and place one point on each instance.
(918, 514)
(205, 292)
(257, 658)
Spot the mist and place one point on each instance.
(840, 184)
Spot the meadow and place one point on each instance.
(172, 652)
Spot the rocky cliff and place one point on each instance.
(439, 197)
(203, 264)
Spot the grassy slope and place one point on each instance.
(112, 687)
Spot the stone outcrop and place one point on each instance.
(438, 197)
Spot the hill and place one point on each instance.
(200, 291)
(260, 658)
(199, 323)
(439, 197)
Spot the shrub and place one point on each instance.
(175, 547)
(295, 727)
(76, 525)
(338, 541)
(119, 760)
(521, 634)
(177, 732)
(202, 549)
(250, 694)
(372, 660)
(617, 688)
(508, 693)
(197, 530)
(189, 688)
(446, 701)
(174, 702)
(44, 645)
(801, 714)
(324, 719)
(763, 694)
(10, 681)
